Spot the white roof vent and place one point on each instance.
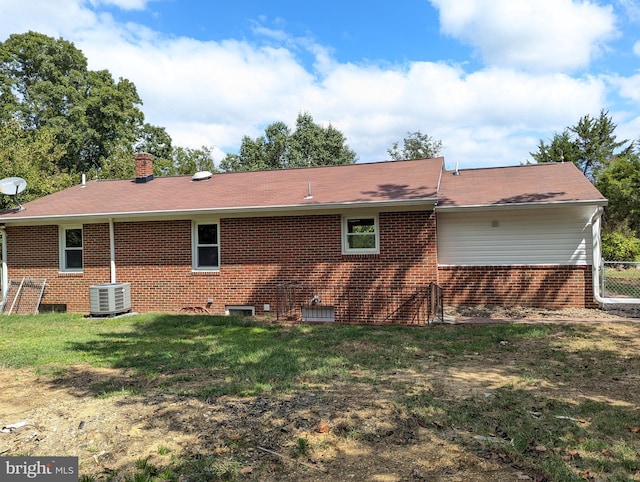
(201, 176)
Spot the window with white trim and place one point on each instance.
(360, 235)
(71, 249)
(206, 247)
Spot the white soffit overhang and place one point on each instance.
(241, 211)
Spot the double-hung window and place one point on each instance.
(71, 249)
(206, 246)
(360, 235)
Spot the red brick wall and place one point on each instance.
(259, 253)
(256, 254)
(536, 286)
(34, 251)
(144, 165)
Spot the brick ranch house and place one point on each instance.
(521, 235)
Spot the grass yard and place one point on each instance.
(194, 398)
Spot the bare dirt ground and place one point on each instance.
(64, 417)
(474, 314)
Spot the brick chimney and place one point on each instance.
(144, 167)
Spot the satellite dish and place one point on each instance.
(201, 176)
(12, 186)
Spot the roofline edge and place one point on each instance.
(470, 207)
(221, 211)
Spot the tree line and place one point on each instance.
(613, 166)
(58, 120)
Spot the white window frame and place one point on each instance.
(345, 235)
(195, 245)
(62, 236)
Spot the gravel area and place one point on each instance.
(515, 313)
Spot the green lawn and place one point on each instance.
(530, 419)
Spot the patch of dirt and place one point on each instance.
(350, 432)
(515, 313)
(353, 433)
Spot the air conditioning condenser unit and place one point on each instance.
(109, 299)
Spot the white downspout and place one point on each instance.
(112, 252)
(596, 228)
(4, 284)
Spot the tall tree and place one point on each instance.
(416, 146)
(34, 156)
(188, 161)
(614, 168)
(44, 82)
(619, 182)
(590, 144)
(314, 145)
(157, 142)
(309, 145)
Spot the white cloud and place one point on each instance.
(630, 128)
(212, 93)
(123, 4)
(628, 87)
(229, 85)
(377, 107)
(50, 18)
(541, 35)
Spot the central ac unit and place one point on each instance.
(110, 299)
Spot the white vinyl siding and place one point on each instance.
(552, 236)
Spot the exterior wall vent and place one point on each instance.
(240, 310)
(110, 299)
(318, 313)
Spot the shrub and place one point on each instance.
(620, 245)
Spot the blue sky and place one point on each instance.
(490, 78)
(385, 31)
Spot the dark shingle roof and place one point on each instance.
(531, 183)
(355, 184)
(413, 182)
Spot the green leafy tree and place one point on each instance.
(45, 82)
(34, 156)
(561, 148)
(157, 142)
(590, 144)
(614, 168)
(265, 152)
(314, 145)
(619, 182)
(620, 244)
(188, 161)
(309, 145)
(416, 146)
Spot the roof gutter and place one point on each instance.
(112, 252)
(231, 211)
(528, 205)
(4, 277)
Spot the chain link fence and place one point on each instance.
(620, 279)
